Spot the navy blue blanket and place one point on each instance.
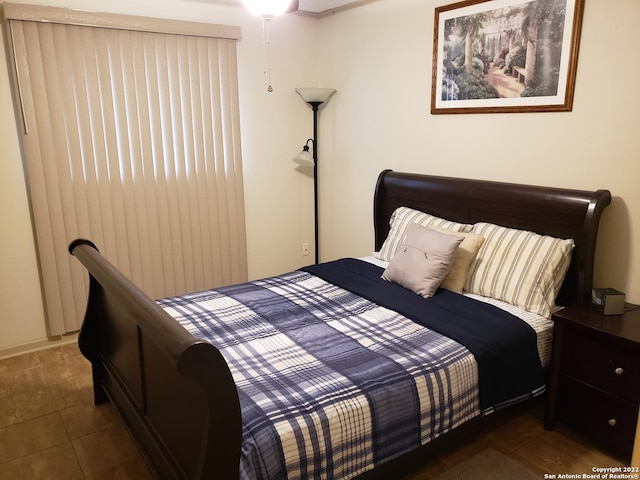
(504, 346)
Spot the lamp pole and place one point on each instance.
(314, 97)
(314, 106)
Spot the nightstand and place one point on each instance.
(594, 385)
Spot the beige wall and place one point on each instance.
(21, 313)
(379, 58)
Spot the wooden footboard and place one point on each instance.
(186, 418)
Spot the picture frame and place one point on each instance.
(524, 56)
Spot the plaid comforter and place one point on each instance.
(330, 384)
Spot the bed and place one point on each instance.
(201, 411)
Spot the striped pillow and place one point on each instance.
(400, 220)
(519, 267)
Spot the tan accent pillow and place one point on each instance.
(466, 254)
(400, 220)
(519, 267)
(423, 260)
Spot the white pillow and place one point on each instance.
(400, 220)
(519, 267)
(423, 260)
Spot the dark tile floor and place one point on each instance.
(523, 438)
(50, 429)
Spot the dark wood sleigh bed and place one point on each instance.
(176, 393)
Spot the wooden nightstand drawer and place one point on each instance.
(604, 365)
(608, 419)
(594, 381)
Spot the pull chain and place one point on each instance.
(266, 41)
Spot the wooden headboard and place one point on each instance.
(557, 212)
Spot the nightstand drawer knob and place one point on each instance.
(619, 371)
(612, 422)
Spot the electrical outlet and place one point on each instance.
(305, 249)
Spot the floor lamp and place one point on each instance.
(314, 97)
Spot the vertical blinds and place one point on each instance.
(131, 139)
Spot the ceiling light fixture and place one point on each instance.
(267, 8)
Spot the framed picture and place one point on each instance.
(505, 56)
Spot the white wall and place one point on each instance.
(379, 58)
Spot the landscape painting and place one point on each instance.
(505, 56)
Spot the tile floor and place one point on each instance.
(49, 427)
(50, 430)
(522, 437)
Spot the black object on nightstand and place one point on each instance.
(594, 384)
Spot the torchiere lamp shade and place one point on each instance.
(315, 94)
